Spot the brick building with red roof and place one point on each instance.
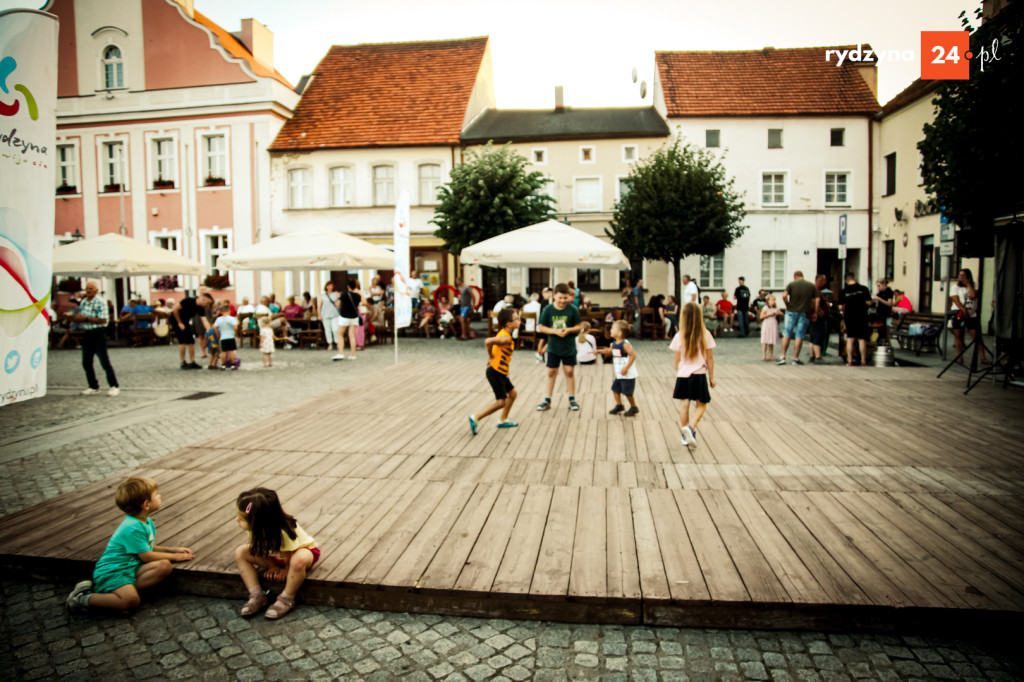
(376, 120)
(796, 131)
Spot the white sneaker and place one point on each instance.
(114, 392)
(90, 391)
(686, 441)
(351, 357)
(338, 357)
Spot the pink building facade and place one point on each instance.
(163, 122)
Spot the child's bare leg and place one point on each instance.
(684, 413)
(151, 573)
(632, 402)
(508, 404)
(771, 351)
(123, 598)
(246, 568)
(552, 374)
(302, 561)
(618, 398)
(570, 378)
(490, 409)
(698, 413)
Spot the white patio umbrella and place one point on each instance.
(548, 244)
(317, 248)
(111, 255)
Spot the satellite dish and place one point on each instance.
(643, 89)
(634, 74)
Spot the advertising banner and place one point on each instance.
(403, 298)
(28, 100)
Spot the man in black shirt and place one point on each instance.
(854, 300)
(742, 296)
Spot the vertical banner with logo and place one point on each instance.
(403, 298)
(28, 101)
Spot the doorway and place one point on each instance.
(927, 269)
(495, 286)
(539, 278)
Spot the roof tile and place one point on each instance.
(768, 82)
(386, 95)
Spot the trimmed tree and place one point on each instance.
(491, 193)
(680, 202)
(972, 148)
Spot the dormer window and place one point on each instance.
(113, 68)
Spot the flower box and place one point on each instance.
(112, 188)
(217, 281)
(160, 183)
(67, 189)
(215, 182)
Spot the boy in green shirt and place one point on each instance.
(131, 561)
(561, 322)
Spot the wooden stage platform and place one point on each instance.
(817, 497)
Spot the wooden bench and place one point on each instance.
(901, 326)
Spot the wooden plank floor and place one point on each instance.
(815, 494)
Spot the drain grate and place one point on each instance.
(200, 395)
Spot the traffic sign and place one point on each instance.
(842, 230)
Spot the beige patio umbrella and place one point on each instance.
(317, 248)
(550, 244)
(111, 255)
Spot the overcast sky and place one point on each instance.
(591, 46)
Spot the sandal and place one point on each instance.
(255, 603)
(281, 607)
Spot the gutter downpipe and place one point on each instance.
(871, 194)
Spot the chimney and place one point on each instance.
(187, 7)
(559, 99)
(259, 40)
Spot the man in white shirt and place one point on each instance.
(246, 307)
(690, 291)
(415, 288)
(532, 307)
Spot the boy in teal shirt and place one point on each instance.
(561, 322)
(131, 560)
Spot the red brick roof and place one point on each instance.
(768, 82)
(909, 95)
(238, 50)
(386, 95)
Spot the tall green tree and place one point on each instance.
(680, 202)
(490, 194)
(972, 150)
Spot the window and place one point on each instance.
(775, 138)
(837, 136)
(539, 155)
(215, 158)
(635, 272)
(113, 160)
(164, 164)
(383, 185)
(430, 180)
(216, 245)
(890, 174)
(113, 68)
(836, 188)
(920, 168)
(587, 194)
(712, 272)
(623, 187)
(298, 188)
(773, 189)
(169, 242)
(889, 269)
(67, 168)
(341, 186)
(628, 153)
(773, 269)
(587, 154)
(589, 280)
(712, 138)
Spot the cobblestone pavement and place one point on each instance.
(65, 441)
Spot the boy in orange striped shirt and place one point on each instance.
(499, 356)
